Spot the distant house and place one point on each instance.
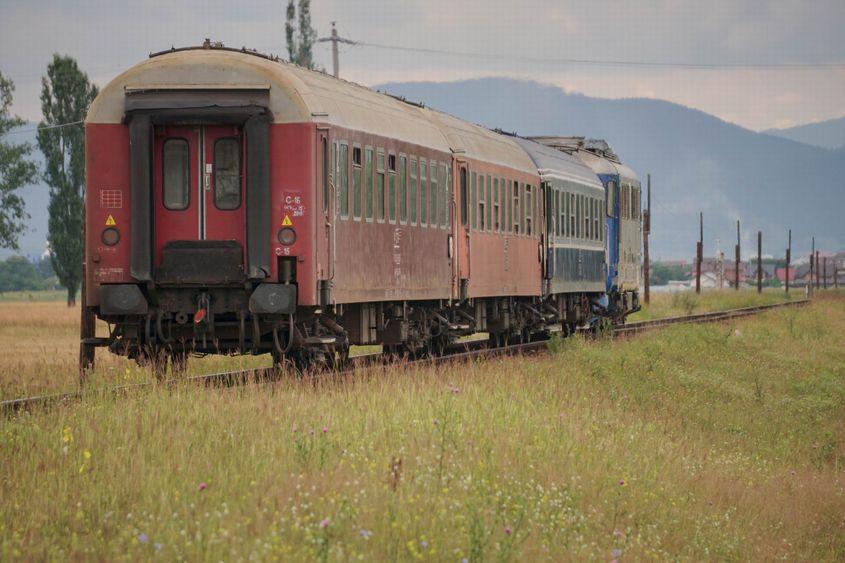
(781, 274)
(802, 274)
(710, 273)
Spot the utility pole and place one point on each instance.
(788, 259)
(817, 270)
(736, 263)
(646, 231)
(759, 262)
(335, 39)
(699, 251)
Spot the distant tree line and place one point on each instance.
(20, 274)
(662, 274)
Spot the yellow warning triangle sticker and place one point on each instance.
(286, 222)
(110, 221)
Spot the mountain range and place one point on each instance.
(697, 163)
(828, 134)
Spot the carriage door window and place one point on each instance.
(464, 196)
(176, 174)
(227, 174)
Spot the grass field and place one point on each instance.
(696, 442)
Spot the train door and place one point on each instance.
(612, 208)
(462, 231)
(177, 186)
(198, 186)
(223, 184)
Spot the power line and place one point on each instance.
(56, 126)
(611, 62)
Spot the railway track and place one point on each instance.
(463, 351)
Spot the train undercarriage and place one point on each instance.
(178, 323)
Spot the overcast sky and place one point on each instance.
(108, 36)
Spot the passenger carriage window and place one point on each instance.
(334, 165)
(602, 223)
(586, 218)
(433, 193)
(380, 184)
(473, 197)
(564, 214)
(403, 194)
(626, 198)
(572, 218)
(482, 204)
(636, 203)
(391, 190)
(527, 210)
(610, 196)
(413, 190)
(227, 174)
(507, 223)
(423, 192)
(343, 173)
(325, 157)
(368, 183)
(449, 195)
(516, 226)
(489, 200)
(175, 170)
(555, 212)
(463, 192)
(495, 223)
(577, 216)
(444, 191)
(502, 205)
(356, 182)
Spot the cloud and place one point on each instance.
(107, 37)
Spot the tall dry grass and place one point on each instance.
(696, 442)
(40, 339)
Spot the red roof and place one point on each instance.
(781, 274)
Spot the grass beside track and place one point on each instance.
(41, 337)
(721, 441)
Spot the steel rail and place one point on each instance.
(463, 351)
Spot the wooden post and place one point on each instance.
(788, 257)
(737, 258)
(699, 252)
(824, 272)
(759, 262)
(812, 252)
(817, 269)
(646, 231)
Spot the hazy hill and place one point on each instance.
(828, 134)
(697, 162)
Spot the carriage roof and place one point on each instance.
(300, 95)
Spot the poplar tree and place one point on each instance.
(66, 95)
(299, 34)
(15, 172)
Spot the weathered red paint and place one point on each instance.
(107, 194)
(292, 187)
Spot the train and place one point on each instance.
(239, 204)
